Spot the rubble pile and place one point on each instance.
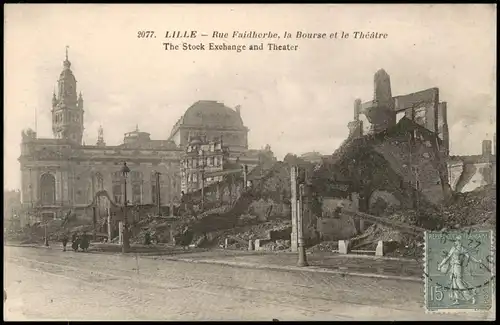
(261, 231)
(159, 231)
(239, 236)
(326, 246)
(468, 210)
(218, 210)
(278, 245)
(36, 233)
(472, 209)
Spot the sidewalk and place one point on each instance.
(354, 265)
(319, 262)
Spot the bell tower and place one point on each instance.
(67, 107)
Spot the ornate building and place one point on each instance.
(201, 158)
(62, 174)
(213, 121)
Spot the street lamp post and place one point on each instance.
(300, 228)
(202, 180)
(46, 238)
(126, 240)
(158, 195)
(245, 176)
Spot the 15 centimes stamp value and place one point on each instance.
(459, 271)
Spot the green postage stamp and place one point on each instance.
(459, 271)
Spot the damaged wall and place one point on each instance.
(414, 163)
(467, 173)
(336, 227)
(466, 177)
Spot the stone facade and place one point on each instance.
(384, 110)
(62, 174)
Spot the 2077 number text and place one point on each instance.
(145, 34)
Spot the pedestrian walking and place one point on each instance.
(75, 242)
(147, 238)
(85, 242)
(64, 241)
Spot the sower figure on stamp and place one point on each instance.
(453, 264)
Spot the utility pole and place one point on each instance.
(202, 180)
(293, 206)
(126, 243)
(94, 221)
(413, 173)
(45, 222)
(46, 238)
(417, 187)
(158, 195)
(31, 198)
(171, 188)
(245, 176)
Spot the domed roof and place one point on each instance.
(209, 113)
(67, 74)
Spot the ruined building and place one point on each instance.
(395, 157)
(467, 173)
(385, 110)
(60, 174)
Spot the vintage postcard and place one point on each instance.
(249, 162)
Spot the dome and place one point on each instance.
(66, 75)
(207, 113)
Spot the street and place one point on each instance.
(48, 284)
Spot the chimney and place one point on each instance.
(357, 109)
(382, 87)
(238, 109)
(486, 148)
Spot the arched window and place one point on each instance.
(48, 189)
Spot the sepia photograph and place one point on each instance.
(249, 162)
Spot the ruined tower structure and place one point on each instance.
(385, 110)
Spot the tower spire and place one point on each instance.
(66, 62)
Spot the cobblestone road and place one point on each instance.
(45, 284)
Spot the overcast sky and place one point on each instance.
(295, 101)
